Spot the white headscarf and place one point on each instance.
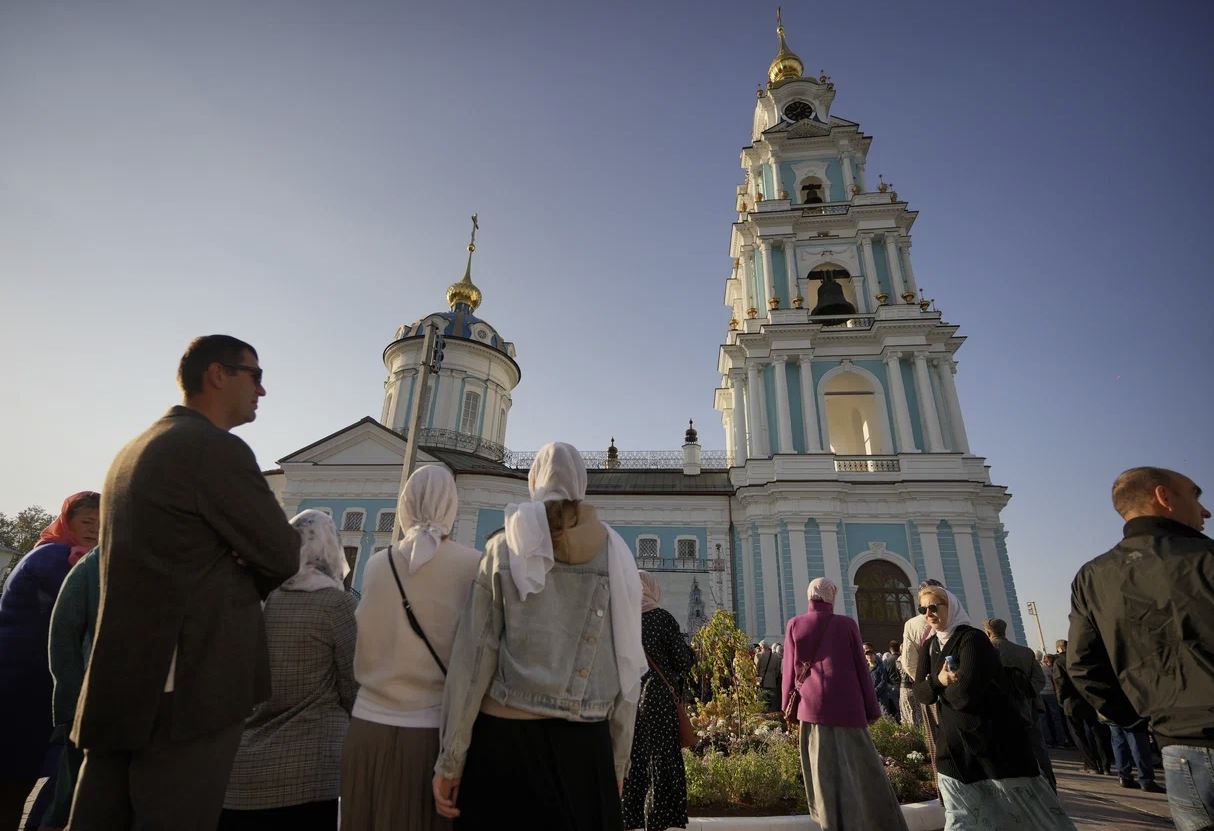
(322, 565)
(651, 592)
(956, 617)
(427, 510)
(822, 588)
(558, 473)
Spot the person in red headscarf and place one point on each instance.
(25, 676)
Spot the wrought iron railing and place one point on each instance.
(626, 459)
(867, 464)
(680, 564)
(455, 440)
(825, 210)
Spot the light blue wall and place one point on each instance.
(834, 177)
(760, 283)
(769, 190)
(916, 547)
(788, 601)
(814, 560)
(1005, 567)
(951, 562)
(667, 535)
(796, 411)
(338, 507)
(769, 395)
(488, 520)
(883, 271)
(789, 178)
(739, 584)
(780, 270)
(756, 556)
(912, 402)
(986, 588)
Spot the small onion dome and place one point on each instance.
(691, 437)
(613, 452)
(787, 65)
(465, 292)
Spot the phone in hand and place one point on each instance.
(950, 663)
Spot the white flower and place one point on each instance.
(915, 757)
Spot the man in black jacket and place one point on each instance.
(1142, 631)
(1023, 677)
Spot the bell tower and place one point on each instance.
(837, 390)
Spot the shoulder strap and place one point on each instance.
(413, 624)
(654, 666)
(804, 667)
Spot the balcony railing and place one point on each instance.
(867, 464)
(455, 440)
(825, 210)
(680, 564)
(627, 460)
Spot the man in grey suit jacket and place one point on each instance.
(1024, 678)
(192, 539)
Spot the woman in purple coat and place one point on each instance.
(25, 675)
(845, 781)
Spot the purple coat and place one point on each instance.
(839, 692)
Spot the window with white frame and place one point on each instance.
(472, 408)
(352, 520)
(385, 522)
(648, 551)
(686, 548)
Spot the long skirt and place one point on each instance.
(386, 775)
(542, 775)
(1013, 804)
(845, 781)
(909, 707)
(655, 795)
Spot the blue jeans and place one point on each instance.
(1127, 743)
(1189, 774)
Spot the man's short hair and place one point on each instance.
(868, 645)
(1060, 645)
(204, 351)
(1048, 660)
(996, 627)
(1134, 489)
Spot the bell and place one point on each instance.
(831, 301)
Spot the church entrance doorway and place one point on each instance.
(883, 602)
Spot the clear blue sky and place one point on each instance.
(300, 174)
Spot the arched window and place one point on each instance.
(856, 423)
(472, 408)
(813, 191)
(883, 602)
(840, 275)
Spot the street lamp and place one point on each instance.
(1033, 611)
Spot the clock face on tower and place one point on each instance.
(798, 111)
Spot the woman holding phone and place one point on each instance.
(988, 776)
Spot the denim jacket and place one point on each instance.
(551, 655)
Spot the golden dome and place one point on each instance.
(465, 291)
(787, 65)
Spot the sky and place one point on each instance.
(300, 174)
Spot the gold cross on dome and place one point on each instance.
(475, 227)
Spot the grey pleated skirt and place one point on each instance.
(386, 775)
(845, 780)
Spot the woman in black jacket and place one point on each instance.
(988, 775)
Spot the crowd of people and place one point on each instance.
(181, 655)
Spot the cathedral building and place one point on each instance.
(846, 452)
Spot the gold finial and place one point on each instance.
(786, 65)
(465, 291)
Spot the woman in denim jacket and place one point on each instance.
(541, 693)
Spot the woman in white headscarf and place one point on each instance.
(845, 781)
(655, 793)
(541, 697)
(988, 775)
(310, 629)
(393, 739)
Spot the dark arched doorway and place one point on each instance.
(883, 602)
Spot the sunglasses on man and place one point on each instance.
(254, 371)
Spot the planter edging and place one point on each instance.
(920, 816)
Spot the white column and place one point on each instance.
(848, 179)
(748, 277)
(933, 563)
(974, 602)
(945, 368)
(783, 412)
(748, 580)
(754, 410)
(790, 266)
(904, 249)
(800, 568)
(872, 286)
(756, 182)
(903, 432)
(994, 575)
(769, 279)
(895, 267)
(775, 178)
(927, 405)
(809, 406)
(771, 585)
(831, 563)
(861, 164)
(736, 383)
